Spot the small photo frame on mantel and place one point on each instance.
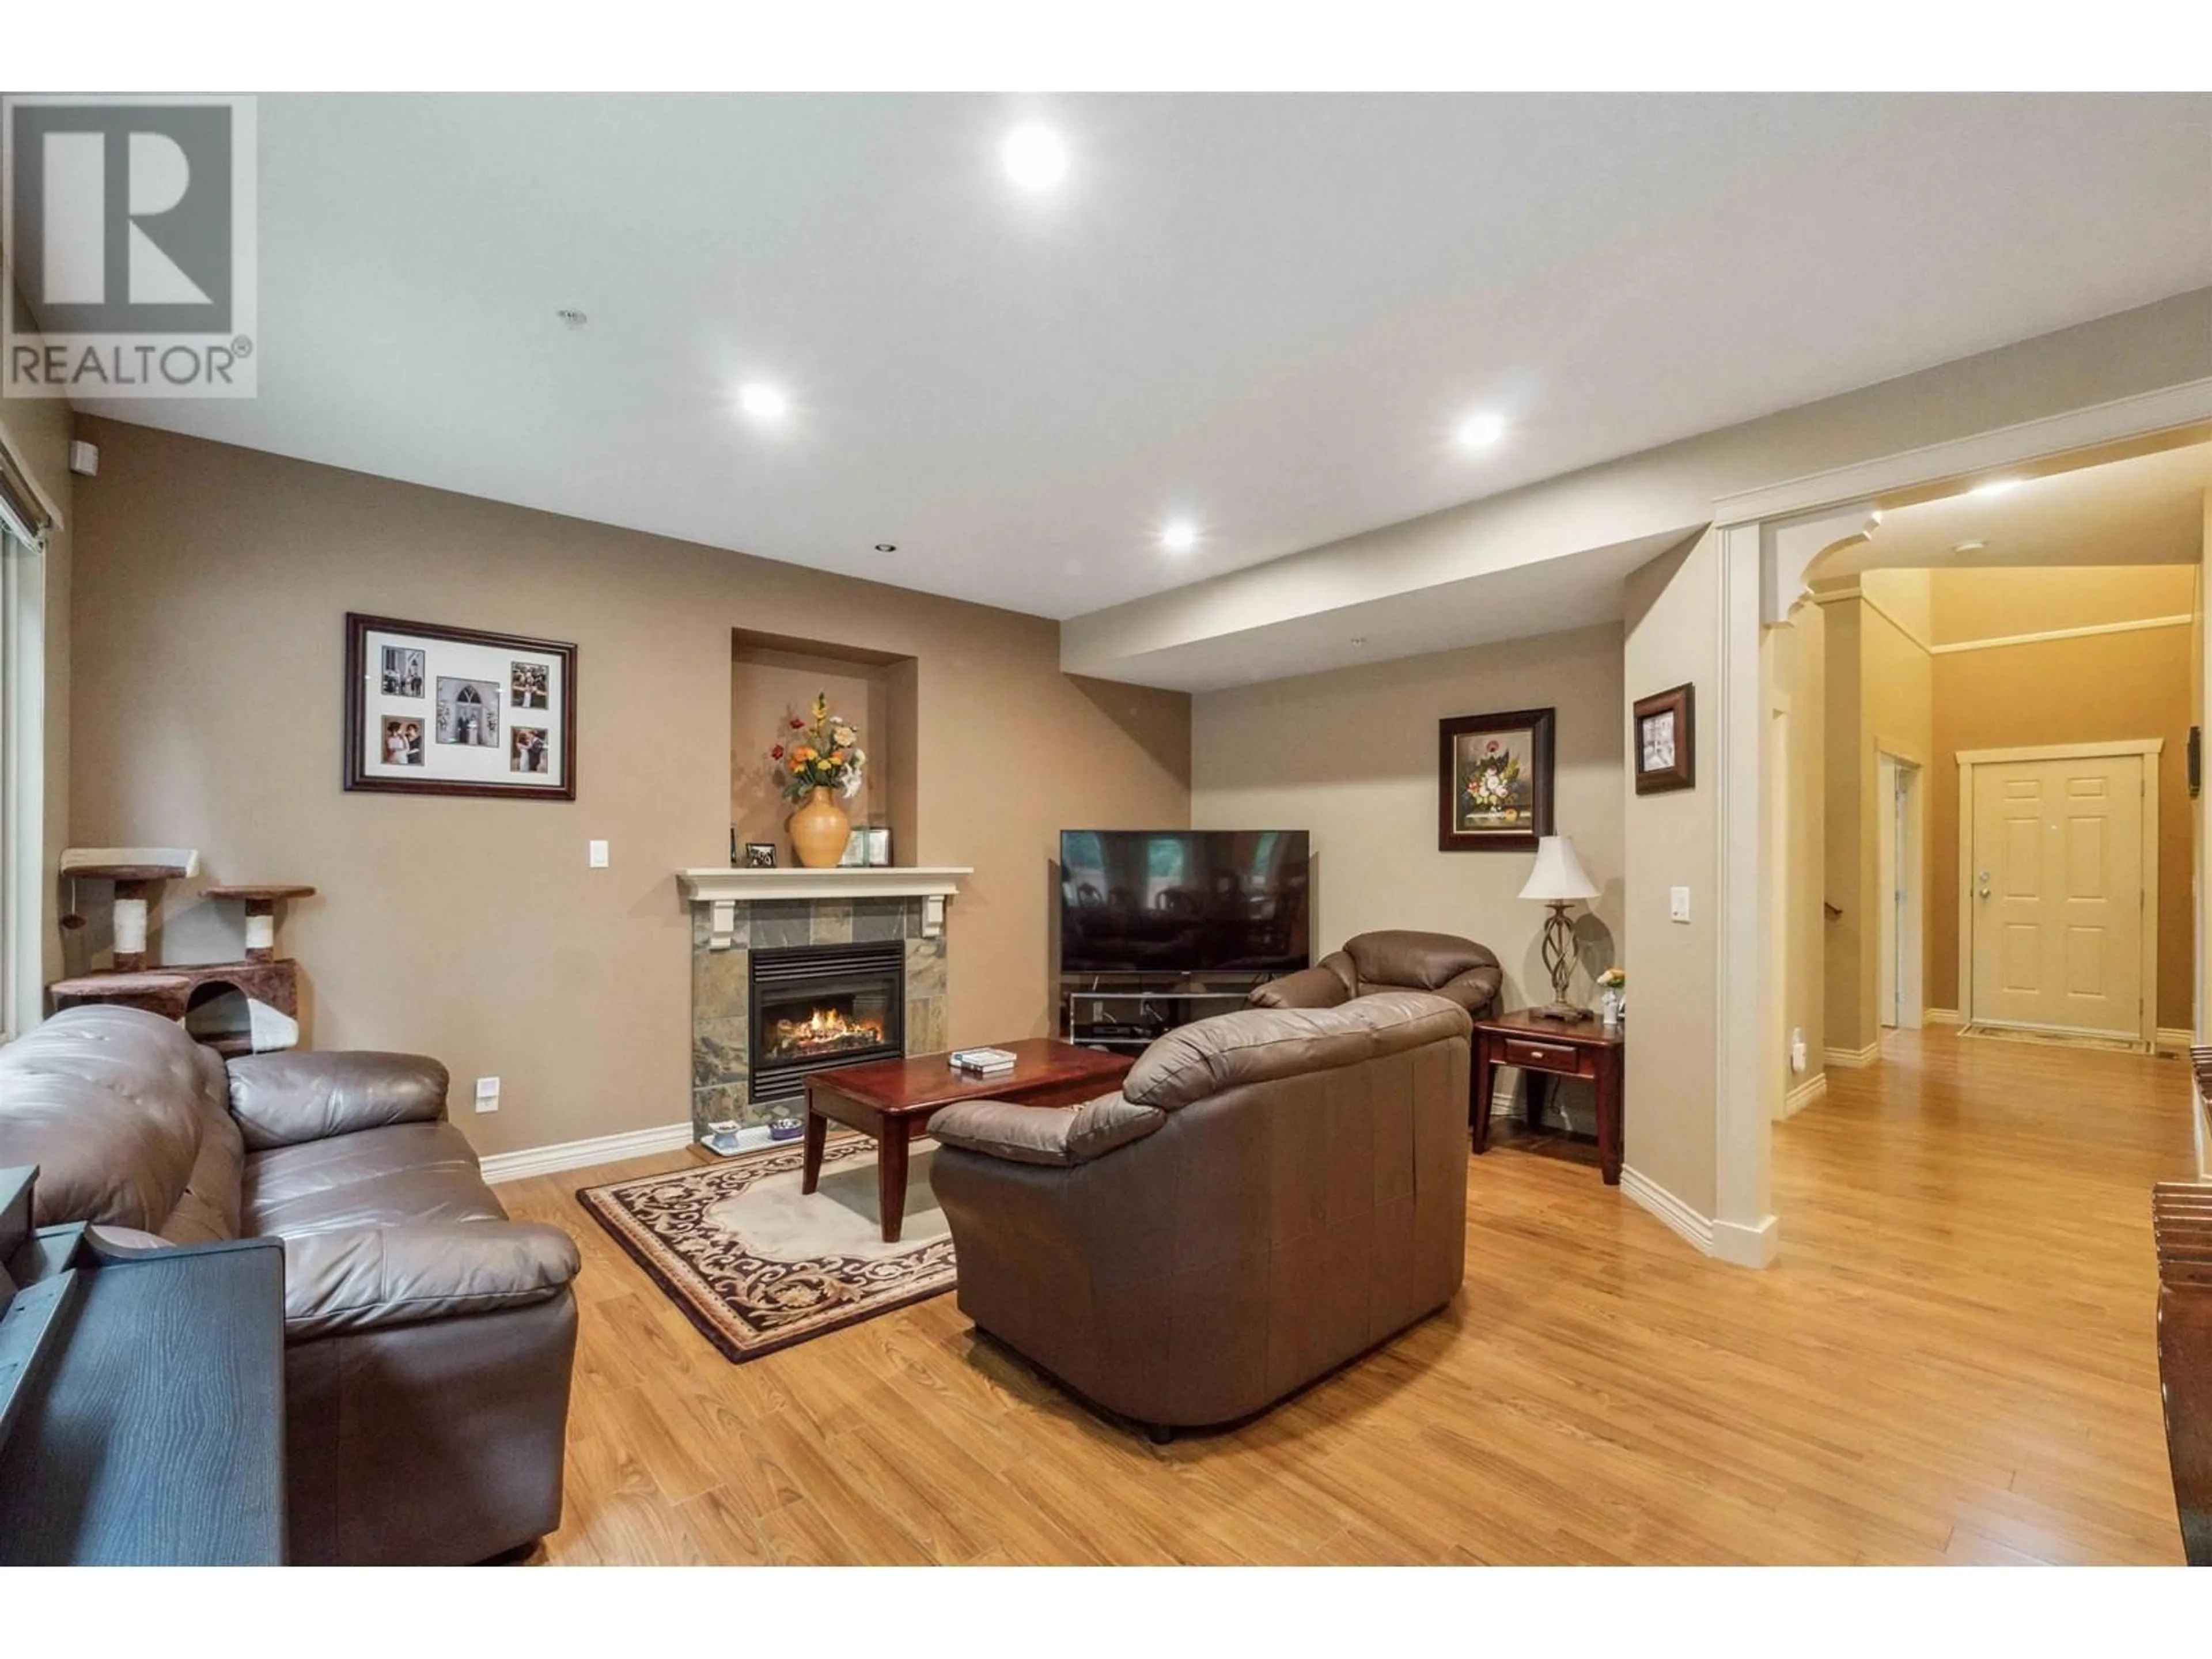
(1666, 732)
(433, 710)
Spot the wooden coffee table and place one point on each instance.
(892, 1102)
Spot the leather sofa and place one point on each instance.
(429, 1340)
(1270, 1194)
(1395, 959)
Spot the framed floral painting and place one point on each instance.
(1494, 782)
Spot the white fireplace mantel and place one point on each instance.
(724, 888)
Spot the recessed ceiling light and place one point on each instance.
(1481, 431)
(758, 397)
(1034, 157)
(1995, 487)
(1971, 547)
(886, 547)
(1180, 537)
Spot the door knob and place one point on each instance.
(1983, 878)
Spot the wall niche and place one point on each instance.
(773, 677)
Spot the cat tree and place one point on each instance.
(268, 983)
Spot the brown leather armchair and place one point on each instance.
(1270, 1194)
(429, 1340)
(1395, 959)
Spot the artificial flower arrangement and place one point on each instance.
(820, 752)
(1613, 994)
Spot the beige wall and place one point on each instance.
(211, 585)
(1799, 666)
(1352, 757)
(1897, 681)
(1674, 634)
(37, 431)
(1993, 605)
(1846, 851)
(1880, 694)
(2078, 690)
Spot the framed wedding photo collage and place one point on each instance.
(431, 710)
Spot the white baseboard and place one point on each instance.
(1812, 1089)
(578, 1154)
(1747, 1247)
(1941, 1017)
(1647, 1194)
(1852, 1060)
(2174, 1039)
(1724, 1240)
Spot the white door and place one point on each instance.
(2057, 891)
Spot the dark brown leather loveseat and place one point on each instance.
(1269, 1194)
(429, 1340)
(1395, 959)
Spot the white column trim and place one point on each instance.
(1787, 550)
(2086, 631)
(1748, 1020)
(23, 780)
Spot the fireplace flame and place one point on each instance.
(827, 1028)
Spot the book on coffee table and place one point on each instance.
(983, 1062)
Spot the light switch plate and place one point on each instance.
(1678, 903)
(487, 1094)
(598, 854)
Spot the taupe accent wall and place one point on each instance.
(1351, 755)
(211, 586)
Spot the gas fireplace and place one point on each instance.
(819, 1005)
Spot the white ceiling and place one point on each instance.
(2147, 510)
(1265, 312)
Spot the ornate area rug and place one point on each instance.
(757, 1265)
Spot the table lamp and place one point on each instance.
(1559, 880)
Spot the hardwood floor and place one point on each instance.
(1951, 1362)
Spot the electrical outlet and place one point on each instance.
(1678, 903)
(598, 853)
(487, 1094)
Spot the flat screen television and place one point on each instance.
(1182, 901)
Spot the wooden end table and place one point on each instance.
(1548, 1048)
(892, 1102)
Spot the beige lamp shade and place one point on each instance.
(1559, 874)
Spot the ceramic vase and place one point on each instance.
(819, 832)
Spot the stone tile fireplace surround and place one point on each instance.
(735, 912)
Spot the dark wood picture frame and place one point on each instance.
(359, 627)
(1538, 724)
(1681, 701)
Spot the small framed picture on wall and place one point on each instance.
(432, 710)
(1666, 741)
